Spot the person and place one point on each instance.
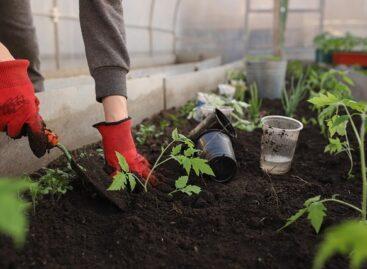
(104, 38)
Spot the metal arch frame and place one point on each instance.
(249, 10)
(55, 17)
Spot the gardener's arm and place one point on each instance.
(104, 37)
(18, 104)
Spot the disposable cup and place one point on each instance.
(278, 143)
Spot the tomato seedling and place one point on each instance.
(182, 185)
(344, 110)
(123, 179)
(188, 159)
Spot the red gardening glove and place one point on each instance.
(117, 137)
(19, 106)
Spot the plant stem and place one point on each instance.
(363, 166)
(65, 151)
(341, 202)
(156, 165)
(172, 192)
(349, 153)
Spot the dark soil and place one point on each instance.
(229, 225)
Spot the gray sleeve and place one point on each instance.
(18, 34)
(104, 37)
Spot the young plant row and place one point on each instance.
(337, 113)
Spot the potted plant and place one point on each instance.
(323, 52)
(353, 51)
(268, 72)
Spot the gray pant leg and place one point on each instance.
(18, 34)
(103, 31)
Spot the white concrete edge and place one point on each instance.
(70, 109)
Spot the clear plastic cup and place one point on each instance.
(278, 143)
(207, 110)
(227, 90)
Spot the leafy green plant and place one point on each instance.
(255, 104)
(241, 89)
(237, 75)
(295, 69)
(344, 110)
(182, 185)
(334, 81)
(348, 238)
(55, 182)
(349, 42)
(124, 179)
(145, 132)
(291, 99)
(188, 159)
(13, 220)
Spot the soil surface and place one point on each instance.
(230, 225)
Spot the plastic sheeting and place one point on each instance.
(193, 29)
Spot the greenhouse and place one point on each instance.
(183, 134)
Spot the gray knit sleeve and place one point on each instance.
(104, 37)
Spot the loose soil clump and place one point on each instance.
(232, 225)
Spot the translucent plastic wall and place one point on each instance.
(191, 29)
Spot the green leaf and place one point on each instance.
(176, 150)
(316, 214)
(132, 181)
(334, 146)
(122, 162)
(338, 125)
(322, 100)
(190, 152)
(201, 166)
(191, 189)
(175, 134)
(312, 200)
(119, 182)
(348, 239)
(186, 163)
(358, 106)
(13, 221)
(294, 218)
(181, 182)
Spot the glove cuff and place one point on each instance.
(14, 74)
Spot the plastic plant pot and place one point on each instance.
(207, 110)
(227, 90)
(215, 121)
(278, 143)
(269, 76)
(323, 57)
(217, 148)
(350, 58)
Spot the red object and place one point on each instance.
(19, 106)
(117, 137)
(350, 58)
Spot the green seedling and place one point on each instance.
(145, 132)
(183, 151)
(182, 185)
(295, 69)
(13, 220)
(236, 75)
(291, 99)
(255, 104)
(54, 183)
(344, 109)
(349, 239)
(331, 81)
(124, 179)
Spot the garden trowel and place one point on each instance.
(98, 180)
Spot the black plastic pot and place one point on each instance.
(215, 121)
(217, 148)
